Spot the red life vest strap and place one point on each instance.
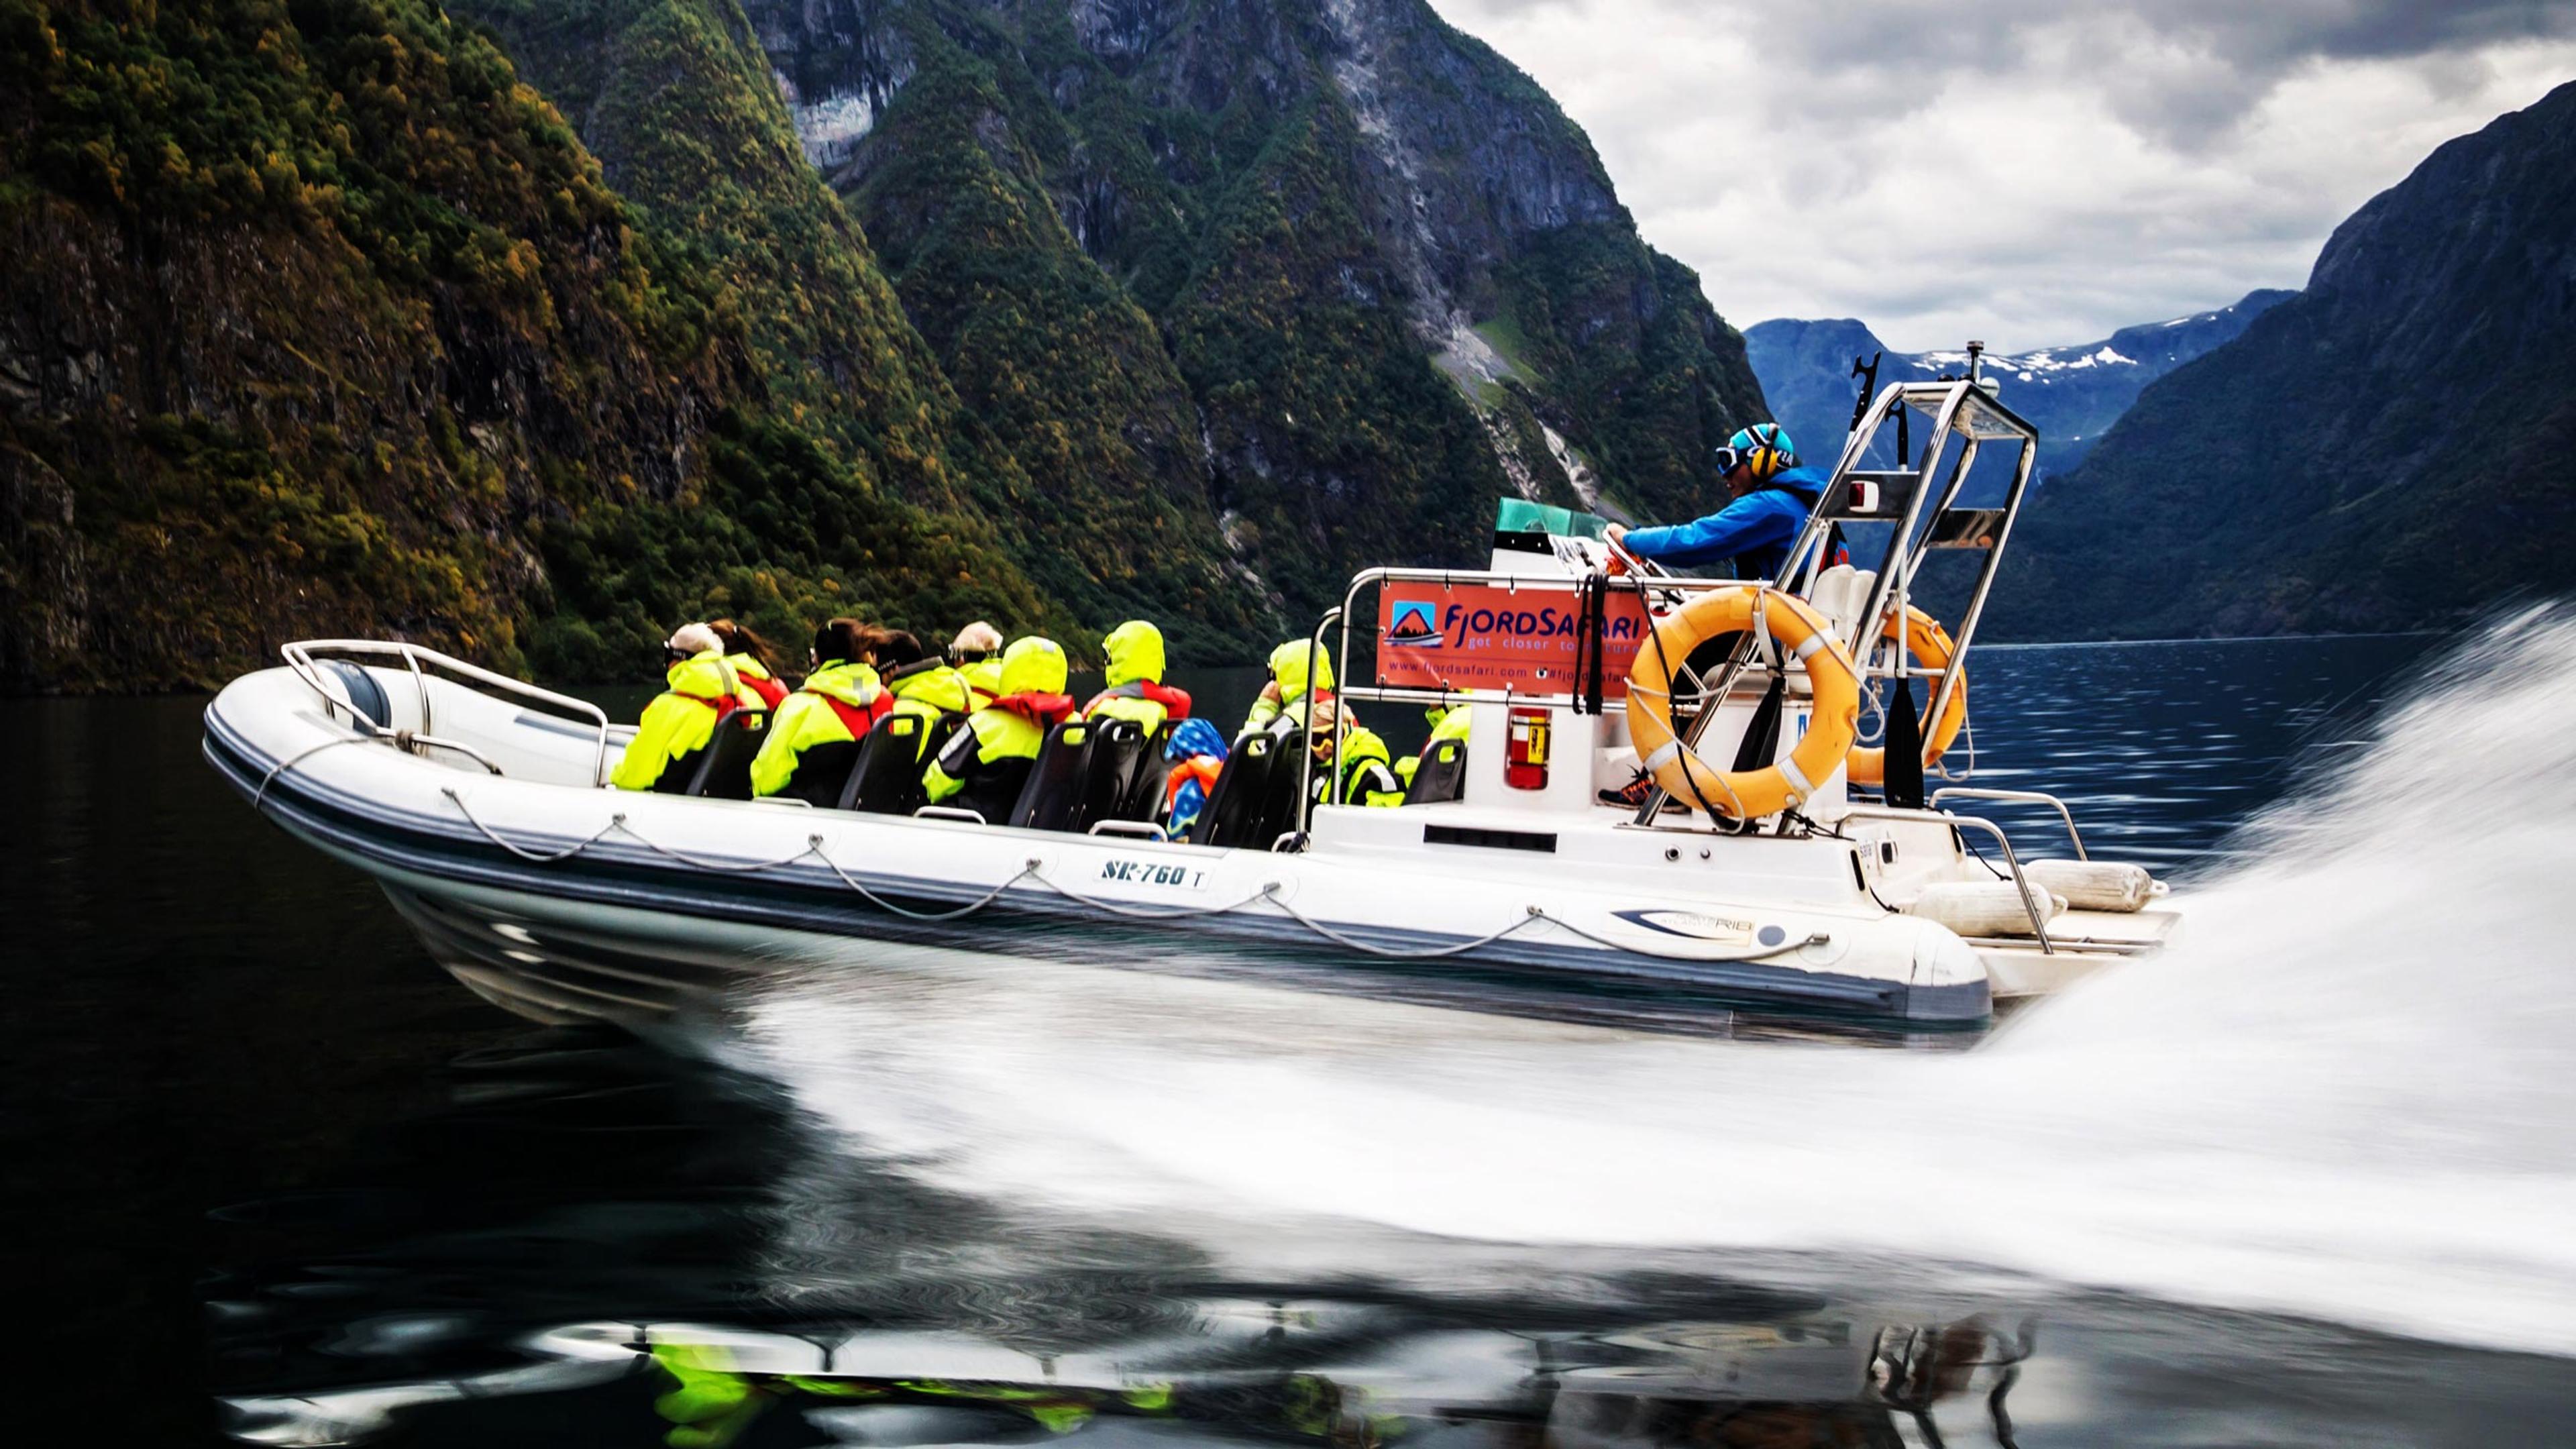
(722, 707)
(1043, 710)
(858, 719)
(1175, 702)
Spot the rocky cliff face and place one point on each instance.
(2074, 394)
(694, 126)
(1391, 279)
(320, 319)
(316, 321)
(2392, 447)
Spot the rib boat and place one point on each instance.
(1803, 849)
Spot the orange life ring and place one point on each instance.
(1925, 640)
(1744, 794)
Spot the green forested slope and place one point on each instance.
(321, 320)
(1383, 262)
(1108, 496)
(1074, 437)
(317, 321)
(1347, 448)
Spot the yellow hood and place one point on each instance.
(1033, 666)
(1135, 652)
(1288, 666)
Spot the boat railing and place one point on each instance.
(2030, 894)
(2017, 797)
(1296, 839)
(302, 657)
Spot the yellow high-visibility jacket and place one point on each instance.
(680, 719)
(808, 718)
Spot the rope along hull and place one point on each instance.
(616, 924)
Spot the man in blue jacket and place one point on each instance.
(1773, 497)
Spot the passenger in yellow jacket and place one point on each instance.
(923, 684)
(977, 653)
(1136, 690)
(1281, 704)
(1366, 777)
(701, 689)
(839, 702)
(984, 764)
(1447, 723)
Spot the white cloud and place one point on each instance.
(2015, 171)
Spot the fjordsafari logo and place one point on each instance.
(1414, 625)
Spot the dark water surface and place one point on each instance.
(273, 1175)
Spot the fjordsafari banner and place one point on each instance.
(1480, 636)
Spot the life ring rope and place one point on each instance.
(1806, 637)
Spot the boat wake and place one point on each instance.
(2346, 1095)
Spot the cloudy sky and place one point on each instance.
(2029, 173)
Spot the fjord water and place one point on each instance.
(2305, 1181)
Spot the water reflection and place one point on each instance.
(595, 1223)
(595, 1241)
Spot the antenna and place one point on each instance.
(1976, 355)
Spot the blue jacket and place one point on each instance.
(1754, 530)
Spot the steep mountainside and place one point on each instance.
(2391, 447)
(2073, 394)
(1072, 454)
(1235, 248)
(316, 321)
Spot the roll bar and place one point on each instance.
(1961, 407)
(1965, 408)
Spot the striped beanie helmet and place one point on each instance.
(1764, 447)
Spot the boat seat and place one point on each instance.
(1111, 759)
(1235, 807)
(724, 766)
(885, 776)
(1280, 812)
(822, 773)
(1144, 798)
(1441, 776)
(1053, 793)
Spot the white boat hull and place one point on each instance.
(563, 902)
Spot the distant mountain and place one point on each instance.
(2389, 449)
(2073, 394)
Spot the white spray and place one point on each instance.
(2348, 1094)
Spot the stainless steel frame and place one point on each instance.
(2017, 797)
(299, 657)
(1961, 407)
(2021, 884)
